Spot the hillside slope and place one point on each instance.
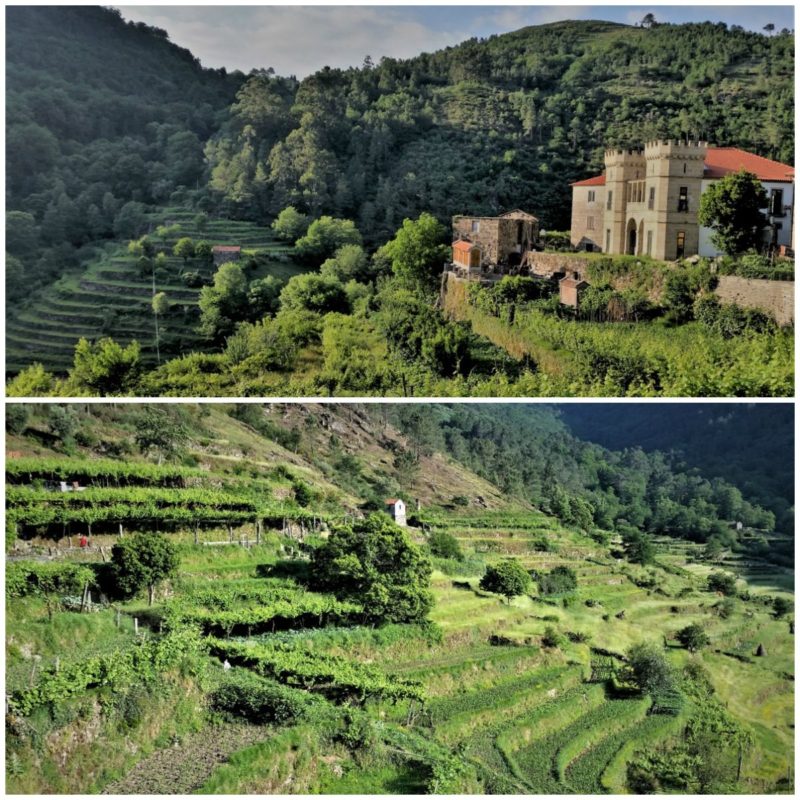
(242, 675)
(506, 122)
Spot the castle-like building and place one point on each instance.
(647, 200)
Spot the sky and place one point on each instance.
(298, 40)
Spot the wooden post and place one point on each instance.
(119, 615)
(88, 598)
(136, 626)
(58, 663)
(230, 533)
(196, 532)
(258, 531)
(103, 553)
(121, 531)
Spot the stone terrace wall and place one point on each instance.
(775, 297)
(545, 264)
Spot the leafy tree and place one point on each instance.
(559, 580)
(63, 424)
(143, 560)
(130, 221)
(159, 429)
(314, 292)
(445, 545)
(223, 303)
(106, 368)
(22, 233)
(375, 563)
(722, 582)
(204, 251)
(638, 547)
(782, 606)
(693, 637)
(508, 578)
(33, 381)
(731, 207)
(290, 224)
(184, 248)
(200, 221)
(325, 236)
(263, 296)
(417, 253)
(17, 416)
(651, 671)
(348, 263)
(552, 638)
(160, 305)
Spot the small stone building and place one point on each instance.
(226, 253)
(396, 509)
(570, 290)
(502, 241)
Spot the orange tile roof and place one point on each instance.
(226, 248)
(597, 180)
(464, 245)
(391, 502)
(573, 283)
(722, 160)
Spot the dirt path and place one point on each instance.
(185, 766)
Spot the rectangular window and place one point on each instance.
(683, 199)
(776, 203)
(591, 196)
(608, 201)
(608, 240)
(476, 226)
(649, 243)
(589, 223)
(651, 201)
(680, 248)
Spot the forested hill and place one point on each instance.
(747, 446)
(530, 452)
(102, 115)
(499, 123)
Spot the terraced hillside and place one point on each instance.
(111, 295)
(527, 695)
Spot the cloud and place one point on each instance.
(295, 40)
(298, 40)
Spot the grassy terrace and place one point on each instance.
(110, 296)
(527, 717)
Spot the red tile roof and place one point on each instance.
(226, 248)
(597, 180)
(464, 245)
(573, 283)
(722, 160)
(392, 502)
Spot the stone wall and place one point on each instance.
(546, 264)
(775, 297)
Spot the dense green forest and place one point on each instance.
(531, 453)
(499, 123)
(227, 608)
(105, 118)
(732, 442)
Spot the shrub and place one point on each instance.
(245, 695)
(507, 578)
(552, 638)
(722, 582)
(445, 545)
(693, 637)
(558, 581)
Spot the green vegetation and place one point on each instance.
(313, 644)
(298, 174)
